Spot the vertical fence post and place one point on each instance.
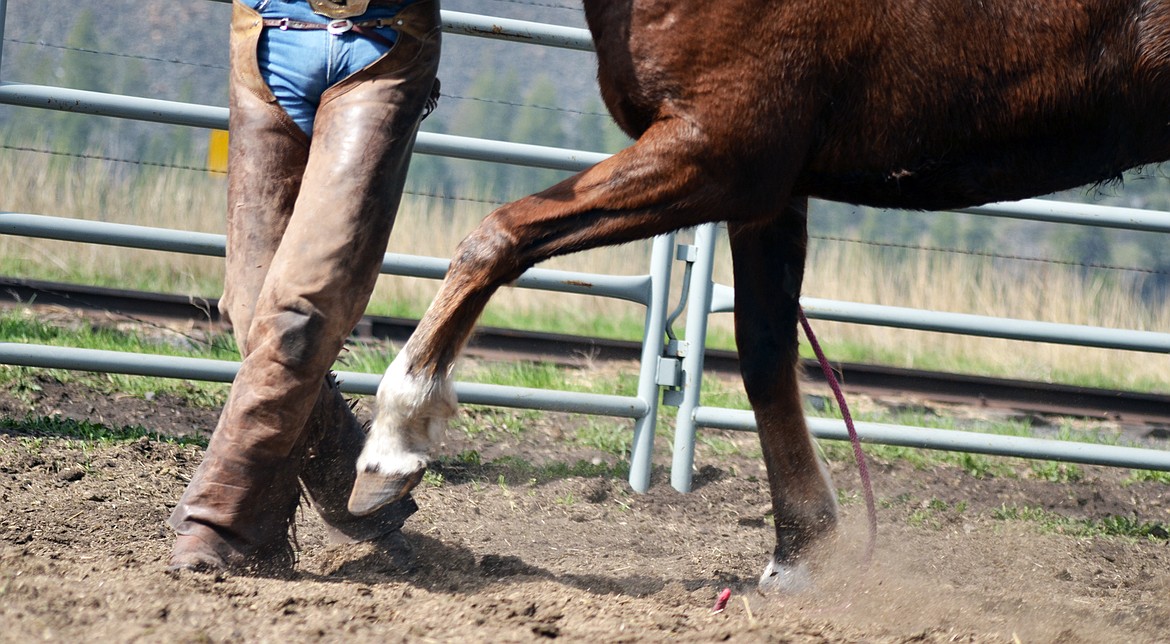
(642, 448)
(3, 13)
(698, 310)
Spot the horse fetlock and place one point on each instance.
(411, 414)
(801, 526)
(392, 462)
(799, 536)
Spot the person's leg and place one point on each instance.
(297, 284)
(362, 139)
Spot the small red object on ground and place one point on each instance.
(721, 603)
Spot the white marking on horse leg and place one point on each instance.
(785, 578)
(411, 413)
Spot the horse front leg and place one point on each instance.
(768, 264)
(659, 184)
(416, 398)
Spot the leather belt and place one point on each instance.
(337, 27)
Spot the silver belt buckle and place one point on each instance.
(338, 27)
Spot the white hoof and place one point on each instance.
(785, 578)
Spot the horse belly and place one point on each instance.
(949, 118)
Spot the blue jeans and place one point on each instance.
(299, 65)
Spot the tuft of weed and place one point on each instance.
(469, 457)
(433, 478)
(1155, 476)
(1110, 526)
(1055, 472)
(567, 500)
(934, 512)
(719, 446)
(606, 436)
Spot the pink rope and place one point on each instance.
(862, 469)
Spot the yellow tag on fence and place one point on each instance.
(217, 151)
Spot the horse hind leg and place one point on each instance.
(768, 262)
(661, 183)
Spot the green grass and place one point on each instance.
(433, 478)
(1112, 526)
(605, 435)
(716, 393)
(538, 375)
(934, 513)
(1153, 476)
(718, 446)
(977, 465)
(493, 423)
(1055, 472)
(23, 327)
(618, 327)
(40, 427)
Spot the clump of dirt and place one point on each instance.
(508, 556)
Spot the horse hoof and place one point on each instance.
(785, 578)
(373, 490)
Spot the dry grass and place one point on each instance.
(108, 191)
(187, 200)
(965, 284)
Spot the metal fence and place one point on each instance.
(674, 367)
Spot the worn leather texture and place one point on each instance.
(308, 224)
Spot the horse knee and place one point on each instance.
(491, 253)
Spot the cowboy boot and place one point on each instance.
(239, 506)
(236, 509)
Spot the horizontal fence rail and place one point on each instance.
(968, 324)
(957, 441)
(141, 364)
(656, 368)
(632, 288)
(204, 116)
(522, 31)
(1060, 212)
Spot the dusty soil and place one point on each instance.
(504, 556)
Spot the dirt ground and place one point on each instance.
(503, 556)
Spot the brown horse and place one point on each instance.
(742, 109)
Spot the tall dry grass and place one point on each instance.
(982, 286)
(99, 190)
(189, 200)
